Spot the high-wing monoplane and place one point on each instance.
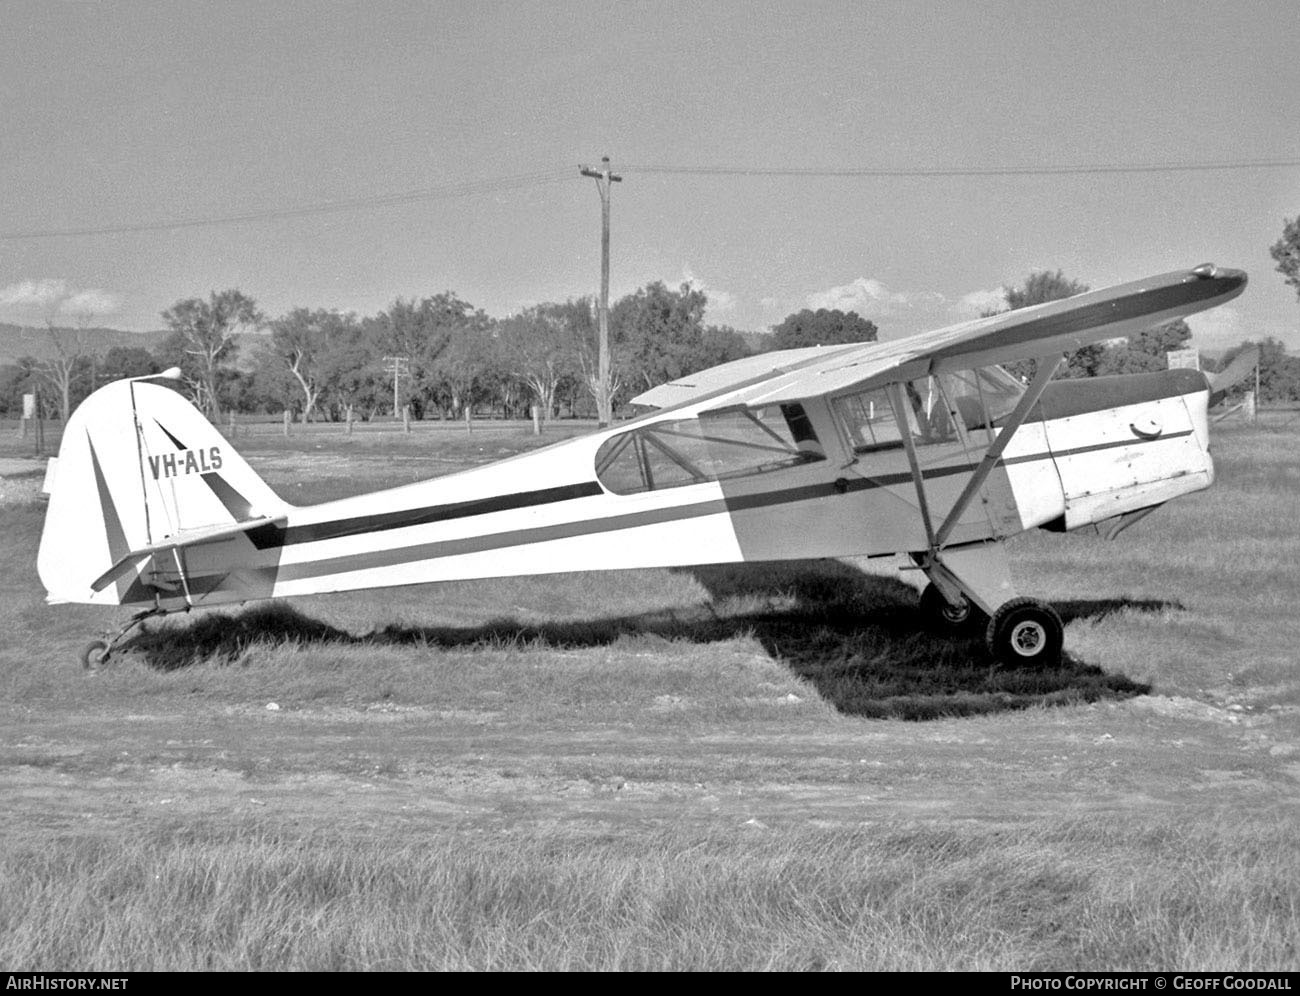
(922, 446)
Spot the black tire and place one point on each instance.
(936, 610)
(94, 654)
(1026, 633)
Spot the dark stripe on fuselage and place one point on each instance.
(1076, 451)
(272, 536)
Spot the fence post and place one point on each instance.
(286, 423)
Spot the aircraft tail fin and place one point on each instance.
(1241, 367)
(138, 466)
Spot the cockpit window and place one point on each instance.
(713, 447)
(983, 396)
(869, 419)
(938, 409)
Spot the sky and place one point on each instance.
(356, 153)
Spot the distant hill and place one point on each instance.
(18, 341)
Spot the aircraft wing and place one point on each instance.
(738, 373)
(1043, 330)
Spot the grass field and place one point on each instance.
(769, 767)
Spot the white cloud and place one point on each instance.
(91, 302)
(44, 299)
(33, 294)
(980, 302)
(872, 299)
(1217, 329)
(721, 302)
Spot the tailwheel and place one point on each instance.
(1025, 632)
(953, 618)
(96, 653)
(93, 654)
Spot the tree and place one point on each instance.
(1144, 352)
(823, 327)
(422, 331)
(1279, 374)
(356, 378)
(1040, 287)
(204, 331)
(721, 344)
(121, 362)
(16, 379)
(463, 369)
(539, 346)
(303, 341)
(65, 368)
(658, 333)
(1286, 251)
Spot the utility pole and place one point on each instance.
(603, 178)
(397, 366)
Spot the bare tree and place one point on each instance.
(206, 330)
(73, 354)
(539, 348)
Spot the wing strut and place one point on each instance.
(899, 401)
(1047, 366)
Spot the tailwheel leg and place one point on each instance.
(96, 653)
(1025, 632)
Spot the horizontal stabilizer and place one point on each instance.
(185, 538)
(1241, 367)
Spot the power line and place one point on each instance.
(558, 174)
(974, 171)
(468, 188)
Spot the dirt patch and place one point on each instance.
(380, 763)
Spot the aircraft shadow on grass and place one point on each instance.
(858, 638)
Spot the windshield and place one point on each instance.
(715, 446)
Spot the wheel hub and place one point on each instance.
(1028, 638)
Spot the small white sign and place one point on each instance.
(1184, 359)
(29, 406)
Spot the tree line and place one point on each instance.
(439, 357)
(446, 356)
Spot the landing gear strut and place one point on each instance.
(96, 653)
(953, 618)
(1018, 632)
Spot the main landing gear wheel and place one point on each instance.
(935, 608)
(1026, 633)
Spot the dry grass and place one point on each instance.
(1085, 894)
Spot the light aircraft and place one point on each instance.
(922, 446)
